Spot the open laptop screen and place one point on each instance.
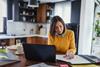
(38, 52)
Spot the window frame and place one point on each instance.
(4, 25)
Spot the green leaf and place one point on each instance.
(2, 50)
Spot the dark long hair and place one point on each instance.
(54, 20)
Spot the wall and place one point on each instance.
(86, 26)
(75, 11)
(22, 28)
(3, 15)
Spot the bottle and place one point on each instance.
(19, 47)
(42, 31)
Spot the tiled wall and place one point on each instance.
(20, 28)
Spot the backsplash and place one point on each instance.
(22, 28)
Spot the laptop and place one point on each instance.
(38, 52)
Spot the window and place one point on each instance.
(1, 25)
(3, 13)
(63, 9)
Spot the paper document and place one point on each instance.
(7, 58)
(76, 60)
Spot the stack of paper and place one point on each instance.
(76, 60)
(7, 58)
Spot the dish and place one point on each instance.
(12, 47)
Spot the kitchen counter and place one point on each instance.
(21, 36)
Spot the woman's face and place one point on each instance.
(59, 28)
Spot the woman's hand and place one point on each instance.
(69, 55)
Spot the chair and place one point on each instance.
(74, 27)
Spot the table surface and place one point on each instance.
(24, 63)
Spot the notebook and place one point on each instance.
(7, 61)
(80, 59)
(38, 52)
(91, 58)
(7, 58)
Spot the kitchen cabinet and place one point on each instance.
(37, 40)
(4, 42)
(7, 42)
(11, 41)
(44, 13)
(20, 11)
(22, 40)
(26, 13)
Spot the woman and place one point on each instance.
(62, 38)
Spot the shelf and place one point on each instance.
(27, 15)
(29, 9)
(26, 21)
(49, 9)
(40, 14)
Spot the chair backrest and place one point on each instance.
(74, 27)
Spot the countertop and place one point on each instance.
(4, 36)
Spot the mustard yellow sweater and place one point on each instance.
(64, 42)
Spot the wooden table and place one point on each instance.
(24, 63)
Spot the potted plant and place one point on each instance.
(96, 37)
(97, 26)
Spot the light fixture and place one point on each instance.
(33, 3)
